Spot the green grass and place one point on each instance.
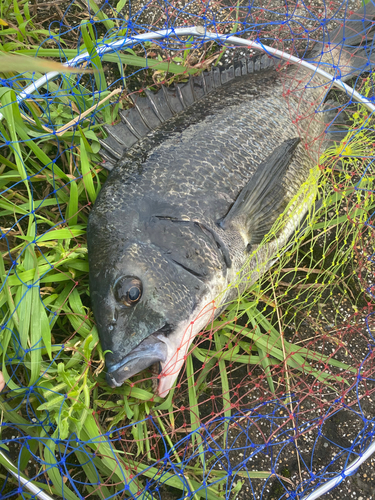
(45, 301)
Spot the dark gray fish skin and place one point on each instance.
(192, 169)
(159, 218)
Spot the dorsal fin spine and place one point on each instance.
(154, 107)
(168, 102)
(143, 118)
(114, 152)
(180, 96)
(204, 84)
(129, 124)
(165, 92)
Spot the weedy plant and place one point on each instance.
(51, 357)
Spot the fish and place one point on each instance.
(199, 175)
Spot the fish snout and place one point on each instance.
(148, 352)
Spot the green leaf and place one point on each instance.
(194, 408)
(121, 4)
(224, 381)
(54, 473)
(45, 330)
(92, 474)
(76, 303)
(108, 23)
(148, 62)
(96, 63)
(95, 145)
(72, 215)
(36, 332)
(56, 234)
(86, 173)
(100, 445)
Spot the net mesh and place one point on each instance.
(276, 396)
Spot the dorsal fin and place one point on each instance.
(151, 111)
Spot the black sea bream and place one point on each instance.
(203, 171)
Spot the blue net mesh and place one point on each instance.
(276, 416)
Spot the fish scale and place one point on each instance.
(235, 151)
(199, 175)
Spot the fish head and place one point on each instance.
(145, 306)
(153, 278)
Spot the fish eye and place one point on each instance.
(128, 290)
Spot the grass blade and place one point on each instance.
(224, 383)
(87, 173)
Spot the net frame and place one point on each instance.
(368, 103)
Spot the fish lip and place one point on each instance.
(151, 350)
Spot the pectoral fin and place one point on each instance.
(263, 199)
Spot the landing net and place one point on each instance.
(276, 398)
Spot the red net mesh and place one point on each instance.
(276, 395)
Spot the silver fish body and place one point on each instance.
(182, 214)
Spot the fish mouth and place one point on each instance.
(150, 351)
